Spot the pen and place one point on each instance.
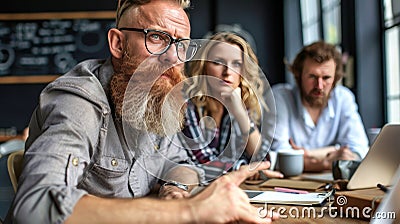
(382, 187)
(328, 186)
(289, 190)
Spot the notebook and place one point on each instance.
(273, 197)
(321, 177)
(381, 162)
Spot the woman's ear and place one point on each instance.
(116, 41)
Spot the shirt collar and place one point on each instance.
(306, 116)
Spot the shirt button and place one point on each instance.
(114, 162)
(75, 161)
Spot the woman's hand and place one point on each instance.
(232, 100)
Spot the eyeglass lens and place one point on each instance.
(159, 42)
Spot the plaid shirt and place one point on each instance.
(226, 144)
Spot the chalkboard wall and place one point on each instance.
(50, 46)
(58, 41)
(26, 6)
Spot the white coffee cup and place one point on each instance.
(291, 162)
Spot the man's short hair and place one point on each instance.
(123, 5)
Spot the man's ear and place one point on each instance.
(116, 41)
(297, 77)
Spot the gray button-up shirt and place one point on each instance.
(75, 147)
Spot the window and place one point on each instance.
(310, 20)
(392, 59)
(331, 18)
(321, 19)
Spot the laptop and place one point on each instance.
(388, 210)
(381, 162)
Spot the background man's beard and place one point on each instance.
(315, 102)
(144, 105)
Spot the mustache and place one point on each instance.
(134, 69)
(149, 79)
(148, 75)
(318, 91)
(176, 76)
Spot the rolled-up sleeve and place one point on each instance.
(64, 129)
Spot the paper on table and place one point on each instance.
(272, 197)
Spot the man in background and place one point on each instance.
(317, 115)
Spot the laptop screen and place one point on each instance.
(388, 210)
(381, 162)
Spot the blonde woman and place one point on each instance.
(225, 109)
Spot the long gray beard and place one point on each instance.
(143, 100)
(156, 110)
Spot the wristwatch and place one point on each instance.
(176, 184)
(252, 127)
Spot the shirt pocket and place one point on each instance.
(110, 167)
(107, 176)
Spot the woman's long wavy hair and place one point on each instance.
(251, 84)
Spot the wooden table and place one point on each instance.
(329, 213)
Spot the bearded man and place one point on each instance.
(102, 135)
(318, 116)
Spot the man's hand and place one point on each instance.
(322, 158)
(180, 174)
(344, 153)
(172, 192)
(227, 202)
(314, 160)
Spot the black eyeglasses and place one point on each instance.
(158, 42)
